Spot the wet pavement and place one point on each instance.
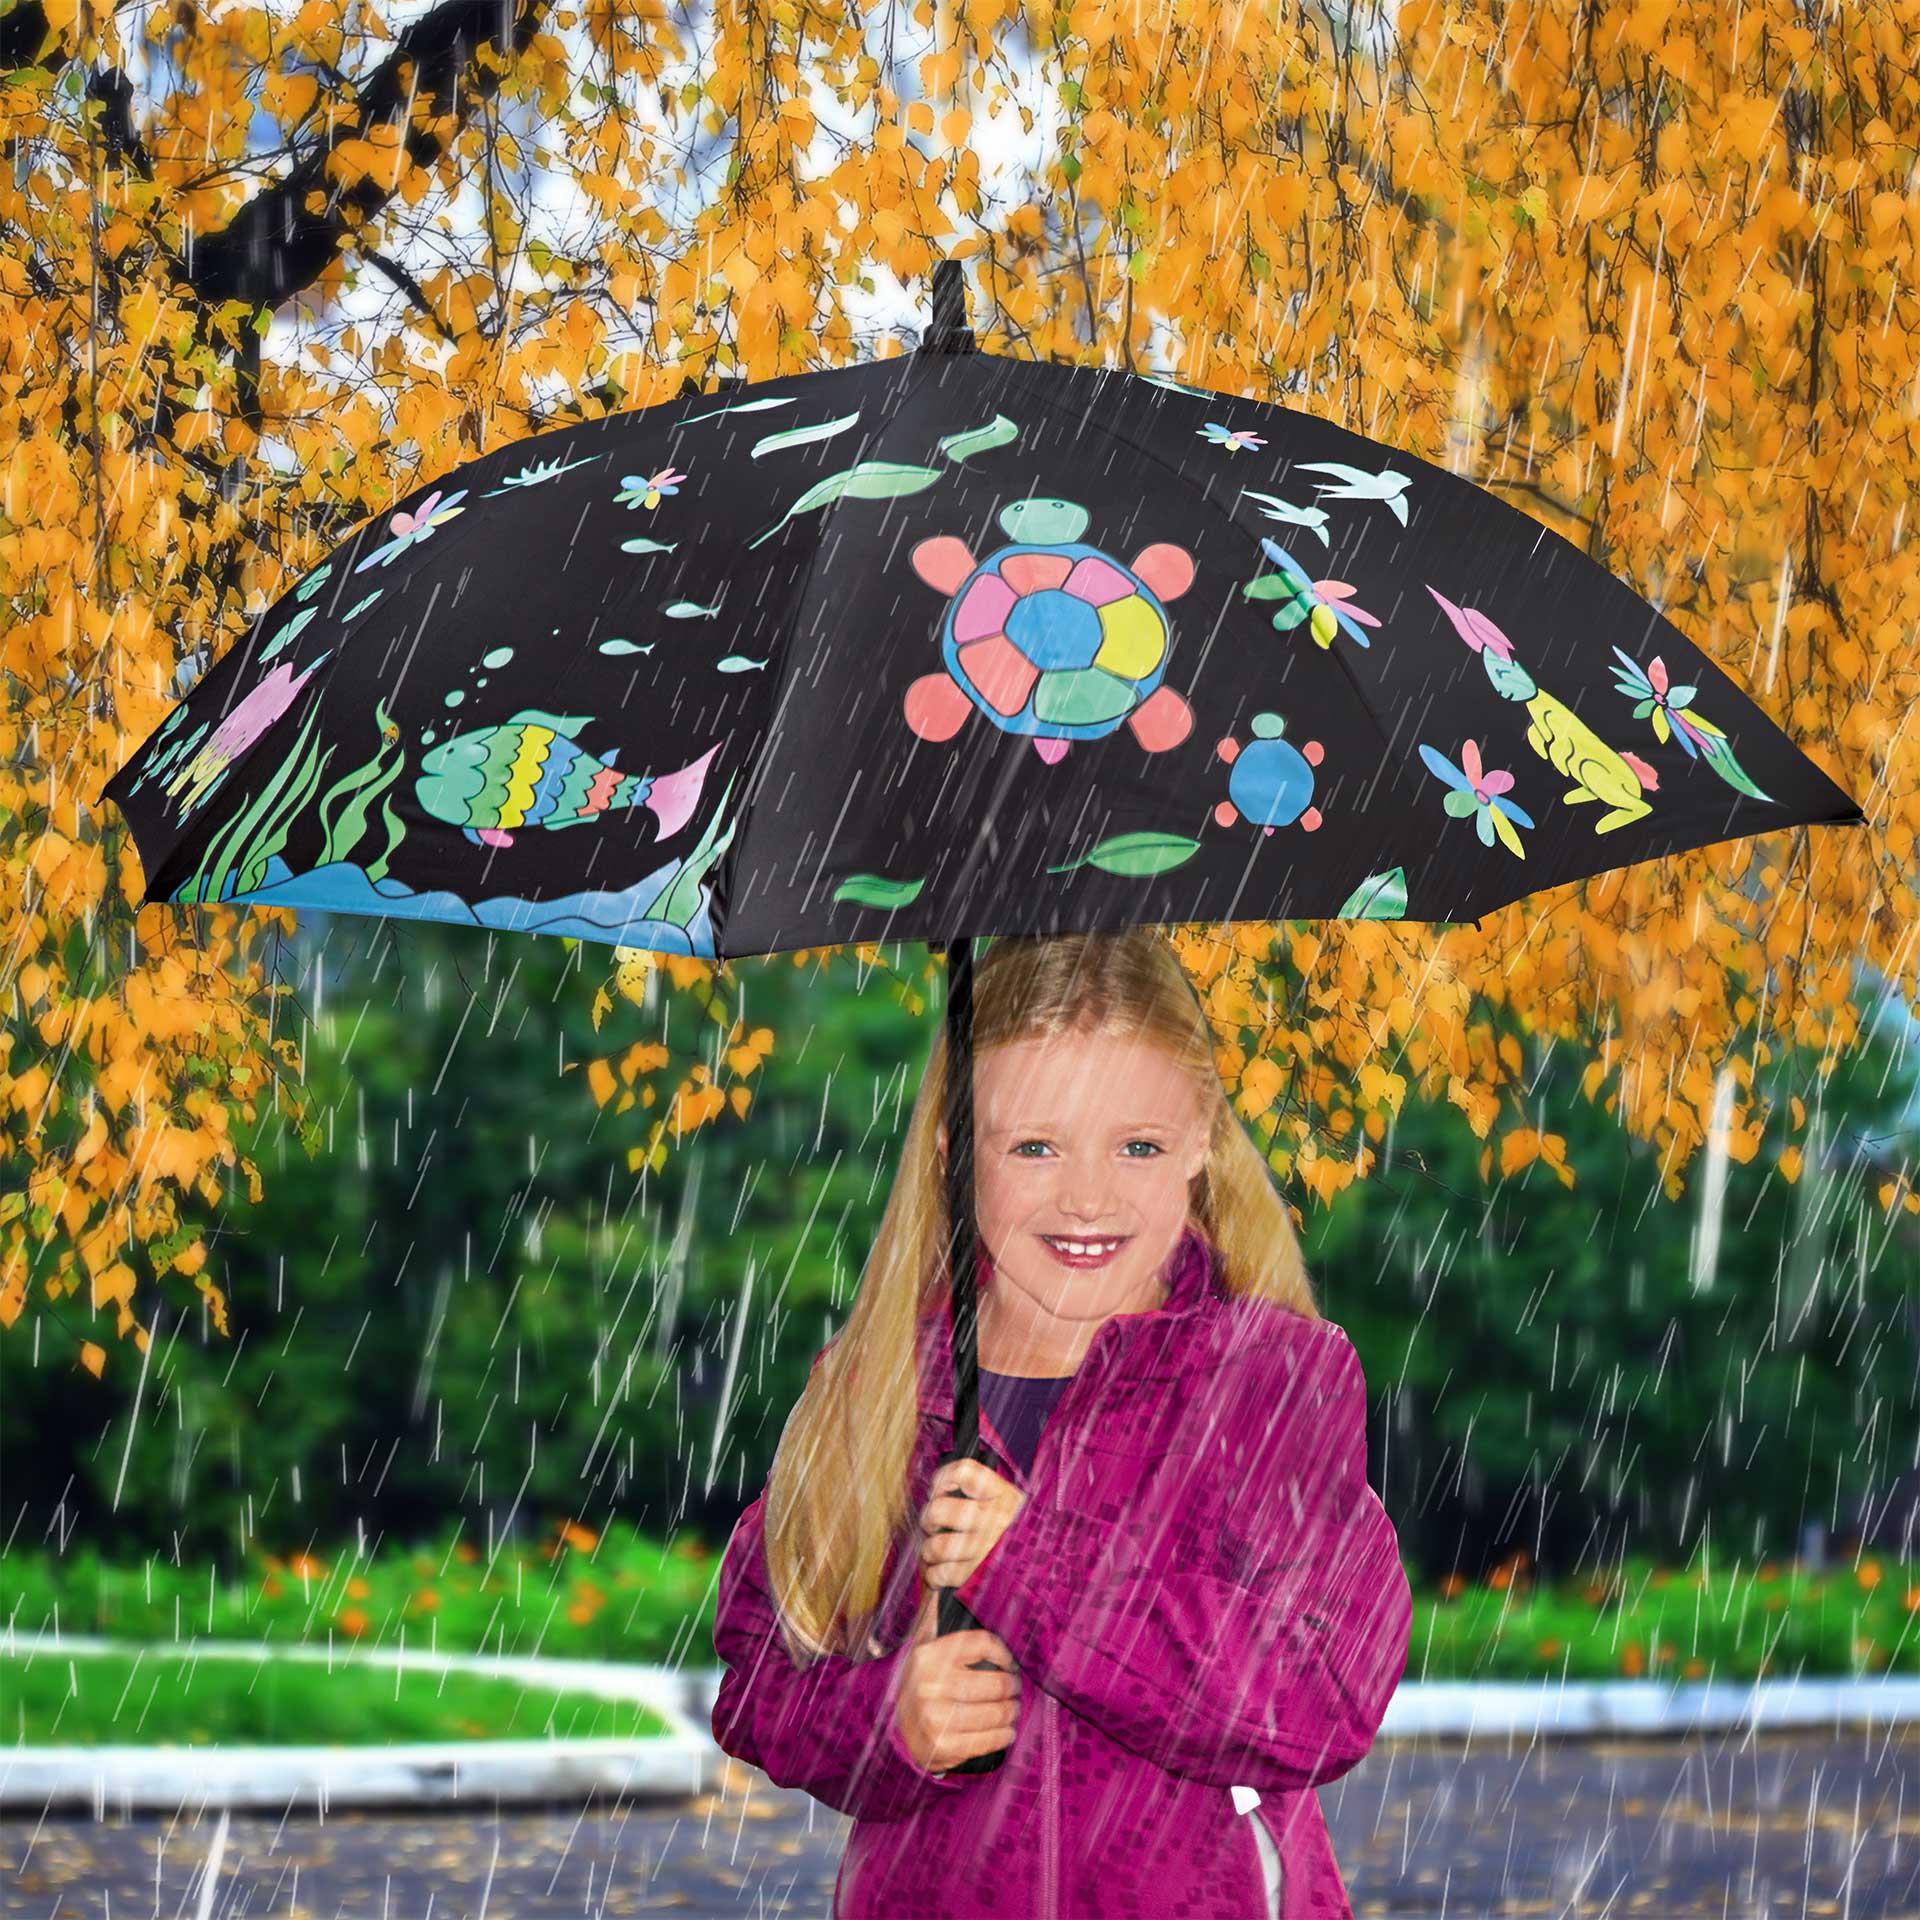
(1723, 1825)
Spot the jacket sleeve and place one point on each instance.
(826, 1726)
(1259, 1648)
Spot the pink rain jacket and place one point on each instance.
(1201, 1592)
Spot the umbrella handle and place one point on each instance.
(951, 1615)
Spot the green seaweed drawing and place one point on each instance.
(235, 859)
(244, 845)
(356, 790)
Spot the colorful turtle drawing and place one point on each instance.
(1050, 637)
(1272, 780)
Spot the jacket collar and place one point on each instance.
(1192, 1275)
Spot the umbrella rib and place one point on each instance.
(784, 641)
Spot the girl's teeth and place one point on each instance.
(1083, 1246)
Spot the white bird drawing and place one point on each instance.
(1314, 519)
(1389, 486)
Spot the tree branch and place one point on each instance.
(277, 244)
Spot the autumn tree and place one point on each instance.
(1645, 269)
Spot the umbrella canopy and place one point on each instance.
(948, 644)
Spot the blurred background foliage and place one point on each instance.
(459, 1306)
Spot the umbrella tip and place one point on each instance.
(949, 332)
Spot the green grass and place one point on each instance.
(161, 1698)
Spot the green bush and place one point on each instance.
(616, 1596)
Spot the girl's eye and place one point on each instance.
(1021, 1150)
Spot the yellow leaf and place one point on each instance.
(94, 1358)
(1260, 1085)
(600, 1080)
(216, 1301)
(1518, 1149)
(1790, 1163)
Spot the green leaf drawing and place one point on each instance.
(869, 480)
(743, 406)
(1136, 853)
(997, 432)
(1381, 896)
(291, 631)
(313, 582)
(800, 436)
(876, 890)
(1270, 586)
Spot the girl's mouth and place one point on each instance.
(1088, 1252)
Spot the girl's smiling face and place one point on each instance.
(1082, 1137)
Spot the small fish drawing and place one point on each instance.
(691, 610)
(528, 772)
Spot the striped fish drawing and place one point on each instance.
(528, 772)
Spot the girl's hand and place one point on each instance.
(959, 1695)
(968, 1509)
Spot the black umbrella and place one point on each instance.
(938, 647)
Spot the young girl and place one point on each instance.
(1184, 1582)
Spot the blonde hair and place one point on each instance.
(838, 1494)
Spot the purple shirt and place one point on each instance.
(1018, 1407)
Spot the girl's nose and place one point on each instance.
(1087, 1205)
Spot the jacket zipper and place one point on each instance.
(1049, 1707)
(1050, 1891)
(1049, 1722)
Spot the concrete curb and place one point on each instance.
(143, 1779)
(1475, 1709)
(130, 1779)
